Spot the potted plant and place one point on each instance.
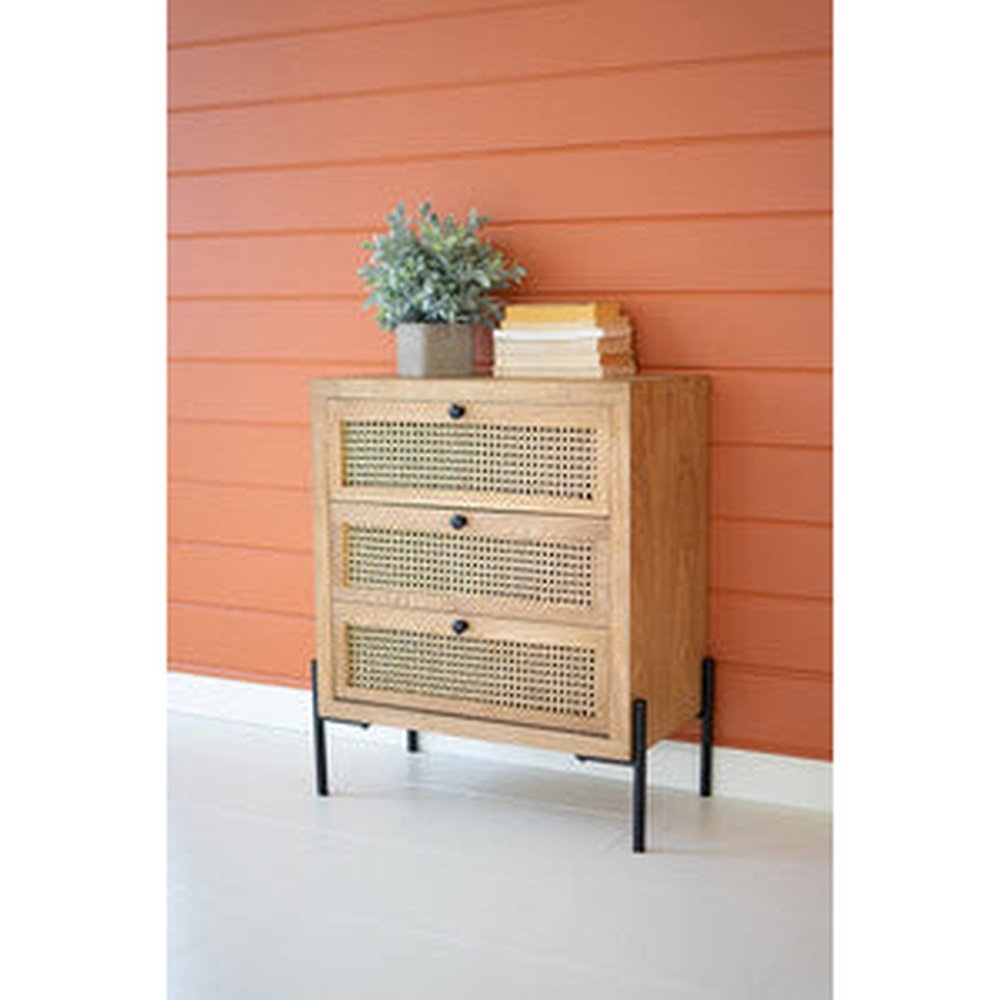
(432, 281)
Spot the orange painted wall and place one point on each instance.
(673, 154)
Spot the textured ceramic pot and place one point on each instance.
(431, 350)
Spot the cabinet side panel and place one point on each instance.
(620, 690)
(669, 547)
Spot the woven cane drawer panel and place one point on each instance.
(531, 570)
(508, 563)
(530, 461)
(544, 675)
(539, 456)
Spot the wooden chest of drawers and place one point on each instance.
(515, 560)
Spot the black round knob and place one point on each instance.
(458, 521)
(456, 411)
(459, 625)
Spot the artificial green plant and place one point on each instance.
(432, 270)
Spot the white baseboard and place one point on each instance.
(738, 774)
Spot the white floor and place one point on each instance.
(434, 876)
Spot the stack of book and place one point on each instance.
(563, 340)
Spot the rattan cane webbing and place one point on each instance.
(527, 569)
(557, 679)
(486, 458)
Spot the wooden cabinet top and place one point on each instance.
(562, 390)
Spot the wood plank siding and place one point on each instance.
(672, 154)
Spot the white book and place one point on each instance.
(564, 349)
(561, 332)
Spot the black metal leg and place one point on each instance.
(412, 740)
(639, 776)
(319, 736)
(707, 716)
(637, 762)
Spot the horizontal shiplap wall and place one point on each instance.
(673, 154)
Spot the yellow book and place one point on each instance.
(562, 312)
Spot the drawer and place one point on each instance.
(465, 452)
(548, 675)
(509, 564)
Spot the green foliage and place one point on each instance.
(433, 270)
